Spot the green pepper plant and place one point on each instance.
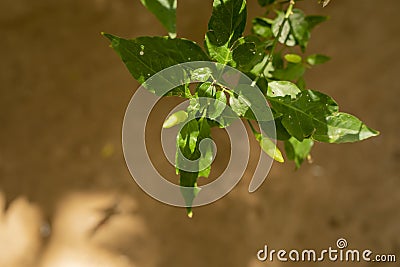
(267, 56)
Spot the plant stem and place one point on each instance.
(252, 128)
(289, 11)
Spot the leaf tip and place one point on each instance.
(190, 214)
(108, 36)
(278, 156)
(280, 160)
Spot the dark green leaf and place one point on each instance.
(262, 28)
(238, 105)
(247, 53)
(244, 53)
(277, 61)
(313, 114)
(292, 72)
(301, 83)
(206, 90)
(281, 132)
(302, 115)
(298, 151)
(317, 59)
(145, 56)
(191, 190)
(218, 106)
(187, 138)
(343, 128)
(226, 25)
(206, 148)
(299, 27)
(315, 20)
(165, 11)
(194, 142)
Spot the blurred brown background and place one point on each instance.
(68, 199)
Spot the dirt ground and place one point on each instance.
(63, 95)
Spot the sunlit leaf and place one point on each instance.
(165, 11)
(226, 25)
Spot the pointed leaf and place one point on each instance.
(298, 151)
(315, 20)
(293, 58)
(175, 119)
(343, 128)
(145, 56)
(206, 148)
(282, 88)
(218, 106)
(165, 11)
(226, 25)
(238, 105)
(262, 27)
(270, 148)
(313, 114)
(317, 59)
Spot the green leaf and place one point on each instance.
(300, 28)
(201, 74)
(165, 11)
(295, 30)
(317, 59)
(292, 72)
(238, 105)
(206, 149)
(145, 56)
(281, 132)
(286, 37)
(301, 83)
(187, 138)
(343, 128)
(206, 89)
(303, 114)
(269, 148)
(298, 151)
(315, 115)
(175, 119)
(191, 142)
(226, 25)
(293, 58)
(282, 88)
(315, 20)
(218, 106)
(246, 53)
(206, 93)
(191, 190)
(260, 68)
(262, 27)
